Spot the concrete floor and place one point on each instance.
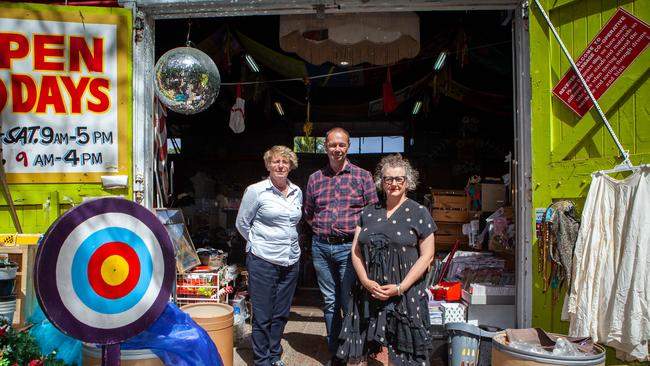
(303, 341)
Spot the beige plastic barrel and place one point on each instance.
(217, 320)
(92, 356)
(504, 355)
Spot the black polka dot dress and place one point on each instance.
(390, 247)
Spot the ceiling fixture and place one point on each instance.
(416, 107)
(251, 63)
(278, 108)
(344, 63)
(375, 38)
(440, 61)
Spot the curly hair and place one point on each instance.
(285, 152)
(396, 161)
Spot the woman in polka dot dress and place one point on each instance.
(392, 248)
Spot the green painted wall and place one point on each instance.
(566, 149)
(38, 205)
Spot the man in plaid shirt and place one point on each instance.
(335, 196)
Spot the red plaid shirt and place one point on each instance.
(334, 201)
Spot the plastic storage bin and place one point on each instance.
(470, 345)
(439, 355)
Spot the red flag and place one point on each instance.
(390, 102)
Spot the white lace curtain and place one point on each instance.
(376, 38)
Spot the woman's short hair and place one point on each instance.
(396, 161)
(283, 151)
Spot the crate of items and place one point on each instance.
(450, 210)
(209, 285)
(448, 233)
(449, 206)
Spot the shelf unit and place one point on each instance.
(24, 255)
(194, 287)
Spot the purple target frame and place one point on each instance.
(45, 278)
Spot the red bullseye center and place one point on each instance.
(104, 256)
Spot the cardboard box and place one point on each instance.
(493, 196)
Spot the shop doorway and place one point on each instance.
(469, 119)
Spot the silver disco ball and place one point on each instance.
(187, 80)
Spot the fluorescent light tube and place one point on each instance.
(278, 108)
(440, 61)
(251, 63)
(416, 107)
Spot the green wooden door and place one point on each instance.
(566, 148)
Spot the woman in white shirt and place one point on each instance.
(268, 217)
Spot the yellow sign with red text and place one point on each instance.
(65, 92)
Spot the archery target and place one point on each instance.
(104, 270)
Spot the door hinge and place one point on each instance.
(138, 188)
(138, 26)
(525, 8)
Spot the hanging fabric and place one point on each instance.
(237, 112)
(160, 148)
(390, 102)
(462, 48)
(611, 265)
(559, 233)
(227, 51)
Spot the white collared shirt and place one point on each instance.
(268, 221)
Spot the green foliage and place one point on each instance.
(304, 144)
(20, 348)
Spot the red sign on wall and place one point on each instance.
(615, 47)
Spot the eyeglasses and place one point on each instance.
(398, 179)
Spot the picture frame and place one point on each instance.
(184, 250)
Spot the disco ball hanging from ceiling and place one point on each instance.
(187, 80)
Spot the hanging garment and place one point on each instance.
(561, 231)
(610, 298)
(237, 113)
(565, 228)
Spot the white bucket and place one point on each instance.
(7, 273)
(7, 310)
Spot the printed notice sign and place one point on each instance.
(65, 86)
(621, 40)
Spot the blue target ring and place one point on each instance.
(82, 285)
